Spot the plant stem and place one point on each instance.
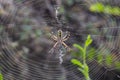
(86, 69)
(87, 76)
(84, 56)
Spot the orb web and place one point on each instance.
(20, 64)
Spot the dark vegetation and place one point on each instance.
(25, 27)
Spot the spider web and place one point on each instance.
(17, 64)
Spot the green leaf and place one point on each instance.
(116, 11)
(79, 47)
(38, 32)
(108, 9)
(100, 58)
(108, 60)
(117, 65)
(88, 41)
(97, 7)
(1, 76)
(69, 2)
(1, 28)
(101, 8)
(27, 28)
(62, 10)
(91, 54)
(81, 70)
(86, 68)
(77, 62)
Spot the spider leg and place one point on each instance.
(65, 45)
(68, 48)
(54, 37)
(55, 45)
(53, 48)
(66, 37)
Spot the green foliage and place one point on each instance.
(91, 54)
(27, 32)
(88, 41)
(70, 2)
(109, 60)
(79, 47)
(100, 58)
(62, 10)
(77, 62)
(1, 28)
(98, 7)
(38, 33)
(117, 65)
(107, 9)
(1, 76)
(83, 67)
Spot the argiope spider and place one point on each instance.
(60, 38)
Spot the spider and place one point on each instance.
(60, 38)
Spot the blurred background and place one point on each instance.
(25, 39)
